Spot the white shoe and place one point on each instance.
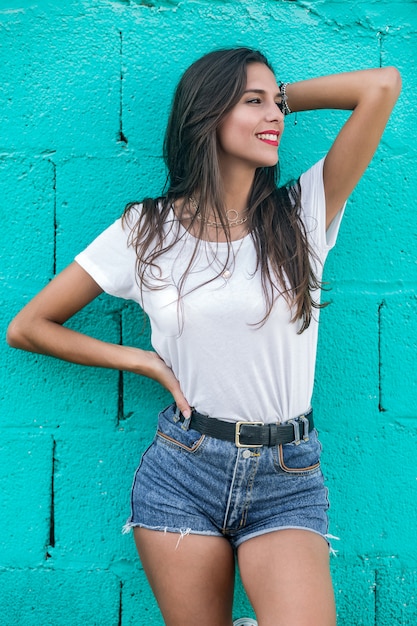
(245, 621)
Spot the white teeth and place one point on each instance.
(267, 136)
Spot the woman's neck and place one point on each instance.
(233, 224)
(237, 184)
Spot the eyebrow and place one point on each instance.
(262, 92)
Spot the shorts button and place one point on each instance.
(246, 454)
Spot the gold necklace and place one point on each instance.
(232, 216)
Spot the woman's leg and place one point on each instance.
(286, 576)
(192, 576)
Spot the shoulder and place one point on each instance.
(131, 215)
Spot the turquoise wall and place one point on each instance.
(85, 87)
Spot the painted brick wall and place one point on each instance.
(85, 87)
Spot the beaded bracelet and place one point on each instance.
(283, 89)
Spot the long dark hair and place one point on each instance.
(206, 93)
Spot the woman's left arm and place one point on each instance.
(371, 96)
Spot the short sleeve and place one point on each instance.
(314, 209)
(111, 262)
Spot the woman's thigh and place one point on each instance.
(287, 578)
(192, 576)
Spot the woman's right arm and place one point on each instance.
(39, 327)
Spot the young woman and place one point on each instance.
(228, 267)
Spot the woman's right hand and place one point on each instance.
(159, 371)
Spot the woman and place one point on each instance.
(228, 268)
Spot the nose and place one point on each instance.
(273, 113)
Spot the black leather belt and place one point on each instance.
(253, 434)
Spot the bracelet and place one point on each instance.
(283, 89)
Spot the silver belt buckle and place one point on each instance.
(237, 435)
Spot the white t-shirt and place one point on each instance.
(227, 365)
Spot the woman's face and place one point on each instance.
(250, 134)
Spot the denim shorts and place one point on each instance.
(191, 483)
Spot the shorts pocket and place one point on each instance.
(300, 459)
(172, 434)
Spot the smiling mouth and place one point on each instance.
(271, 138)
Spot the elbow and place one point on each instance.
(391, 81)
(15, 336)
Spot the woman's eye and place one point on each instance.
(280, 105)
(254, 101)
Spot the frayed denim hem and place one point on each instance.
(182, 532)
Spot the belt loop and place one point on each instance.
(296, 425)
(306, 424)
(186, 423)
(176, 417)
(273, 429)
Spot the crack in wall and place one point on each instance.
(153, 4)
(55, 220)
(122, 136)
(120, 386)
(121, 415)
(120, 400)
(380, 394)
(119, 622)
(52, 504)
(380, 40)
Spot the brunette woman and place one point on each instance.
(228, 267)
